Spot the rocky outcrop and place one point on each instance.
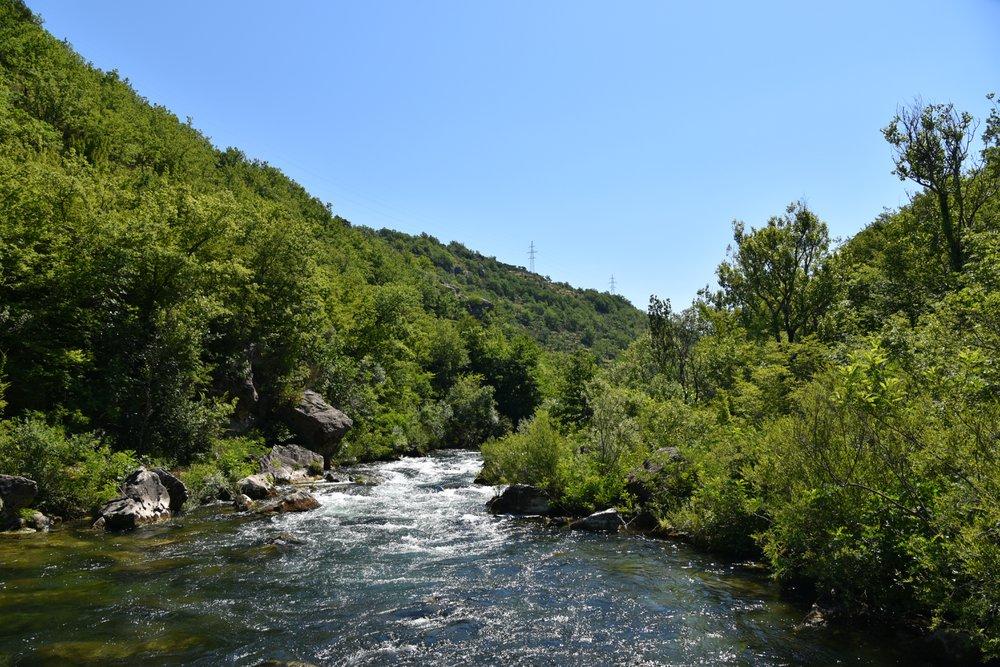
(145, 499)
(257, 487)
(298, 500)
(520, 499)
(319, 425)
(602, 522)
(291, 463)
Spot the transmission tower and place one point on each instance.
(531, 256)
(612, 284)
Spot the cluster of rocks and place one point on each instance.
(16, 496)
(531, 501)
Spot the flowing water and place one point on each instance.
(411, 571)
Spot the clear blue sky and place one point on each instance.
(621, 137)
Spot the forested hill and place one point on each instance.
(152, 284)
(558, 315)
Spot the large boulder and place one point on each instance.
(257, 487)
(144, 500)
(16, 493)
(318, 424)
(291, 463)
(520, 499)
(175, 489)
(605, 521)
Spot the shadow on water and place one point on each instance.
(411, 571)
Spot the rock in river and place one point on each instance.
(257, 487)
(319, 425)
(291, 463)
(606, 521)
(520, 499)
(16, 493)
(298, 500)
(145, 499)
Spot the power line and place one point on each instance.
(612, 284)
(531, 256)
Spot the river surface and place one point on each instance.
(411, 571)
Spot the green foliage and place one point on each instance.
(148, 278)
(473, 417)
(227, 461)
(532, 455)
(779, 277)
(75, 473)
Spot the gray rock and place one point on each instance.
(257, 487)
(144, 500)
(175, 487)
(318, 424)
(606, 521)
(38, 521)
(243, 503)
(291, 463)
(520, 499)
(298, 500)
(284, 539)
(331, 476)
(16, 493)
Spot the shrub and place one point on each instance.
(75, 473)
(228, 460)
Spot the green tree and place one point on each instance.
(933, 147)
(778, 275)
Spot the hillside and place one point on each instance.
(557, 315)
(150, 282)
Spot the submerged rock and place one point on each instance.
(320, 425)
(291, 463)
(331, 476)
(366, 480)
(257, 487)
(520, 499)
(605, 521)
(284, 539)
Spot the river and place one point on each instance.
(410, 571)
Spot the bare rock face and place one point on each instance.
(607, 521)
(520, 499)
(291, 463)
(145, 500)
(318, 424)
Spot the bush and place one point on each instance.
(228, 460)
(532, 455)
(474, 418)
(75, 473)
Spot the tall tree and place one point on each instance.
(674, 336)
(778, 275)
(933, 146)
